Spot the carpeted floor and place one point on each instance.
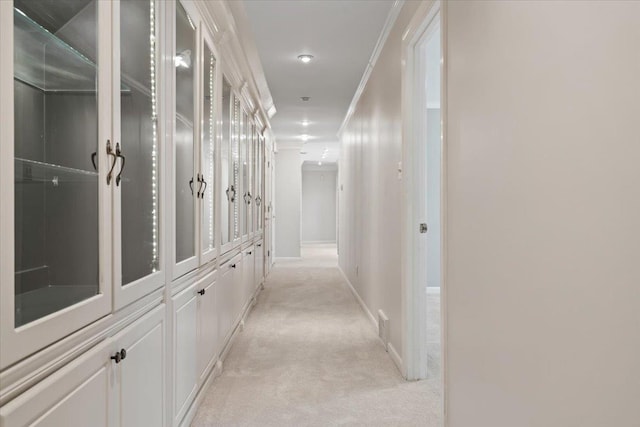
(308, 356)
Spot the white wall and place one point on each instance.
(369, 241)
(319, 204)
(543, 273)
(287, 204)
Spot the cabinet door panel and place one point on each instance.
(136, 204)
(207, 328)
(185, 374)
(259, 264)
(224, 302)
(238, 288)
(142, 372)
(77, 395)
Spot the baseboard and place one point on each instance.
(433, 291)
(318, 242)
(195, 405)
(397, 360)
(364, 307)
(286, 258)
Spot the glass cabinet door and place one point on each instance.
(244, 205)
(53, 168)
(252, 176)
(184, 133)
(235, 168)
(137, 193)
(207, 155)
(227, 192)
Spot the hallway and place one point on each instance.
(309, 356)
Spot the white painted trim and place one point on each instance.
(414, 305)
(397, 360)
(364, 307)
(195, 405)
(395, 357)
(377, 50)
(433, 291)
(286, 258)
(318, 242)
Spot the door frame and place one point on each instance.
(413, 247)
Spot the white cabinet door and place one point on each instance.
(207, 326)
(78, 395)
(138, 122)
(224, 300)
(185, 359)
(259, 264)
(141, 372)
(55, 158)
(238, 287)
(248, 274)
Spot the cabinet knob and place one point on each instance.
(233, 266)
(249, 253)
(201, 291)
(117, 357)
(123, 354)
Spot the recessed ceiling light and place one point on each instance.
(306, 58)
(305, 138)
(305, 123)
(319, 163)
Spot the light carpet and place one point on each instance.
(308, 356)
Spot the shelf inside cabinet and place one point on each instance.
(33, 305)
(46, 62)
(31, 171)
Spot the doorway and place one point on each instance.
(424, 240)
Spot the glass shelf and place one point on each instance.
(44, 61)
(31, 171)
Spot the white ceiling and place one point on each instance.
(341, 36)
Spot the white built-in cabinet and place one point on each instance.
(133, 202)
(117, 383)
(79, 166)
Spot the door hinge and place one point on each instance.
(423, 227)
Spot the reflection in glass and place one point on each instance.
(138, 118)
(235, 157)
(56, 135)
(244, 203)
(186, 185)
(225, 185)
(208, 149)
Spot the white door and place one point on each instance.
(140, 374)
(185, 357)
(78, 395)
(208, 341)
(57, 153)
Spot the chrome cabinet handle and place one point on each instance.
(191, 185)
(231, 194)
(113, 165)
(258, 201)
(119, 154)
(204, 189)
(199, 186)
(247, 198)
(93, 160)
